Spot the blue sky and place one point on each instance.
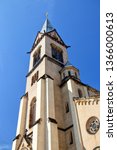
(77, 22)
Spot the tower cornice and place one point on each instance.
(49, 58)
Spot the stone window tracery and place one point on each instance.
(92, 125)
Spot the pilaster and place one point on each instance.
(39, 127)
(76, 125)
(21, 121)
(52, 131)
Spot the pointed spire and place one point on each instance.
(47, 27)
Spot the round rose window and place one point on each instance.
(92, 125)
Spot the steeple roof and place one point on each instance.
(47, 27)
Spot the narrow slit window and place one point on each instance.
(76, 75)
(71, 137)
(67, 107)
(69, 73)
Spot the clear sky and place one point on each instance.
(77, 22)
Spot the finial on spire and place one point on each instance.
(46, 15)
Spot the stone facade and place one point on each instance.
(56, 106)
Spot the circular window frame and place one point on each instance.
(89, 124)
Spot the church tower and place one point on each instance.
(57, 111)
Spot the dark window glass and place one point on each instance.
(36, 58)
(57, 54)
(76, 75)
(69, 73)
(63, 75)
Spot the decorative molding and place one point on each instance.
(55, 61)
(92, 125)
(45, 76)
(49, 58)
(87, 101)
(62, 129)
(47, 34)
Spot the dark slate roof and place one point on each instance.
(47, 27)
(68, 64)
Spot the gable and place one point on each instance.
(25, 144)
(55, 36)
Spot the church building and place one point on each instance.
(57, 111)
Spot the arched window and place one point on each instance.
(71, 137)
(57, 54)
(80, 93)
(36, 57)
(67, 107)
(32, 112)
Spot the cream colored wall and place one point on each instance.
(41, 69)
(77, 86)
(51, 69)
(90, 141)
(62, 140)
